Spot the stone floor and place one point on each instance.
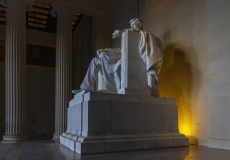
(51, 150)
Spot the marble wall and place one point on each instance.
(195, 68)
(196, 60)
(218, 48)
(41, 98)
(182, 26)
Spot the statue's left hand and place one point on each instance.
(117, 33)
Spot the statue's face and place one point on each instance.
(136, 25)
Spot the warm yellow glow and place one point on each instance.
(2, 19)
(31, 19)
(39, 5)
(46, 11)
(42, 26)
(44, 17)
(176, 81)
(43, 22)
(39, 10)
(38, 15)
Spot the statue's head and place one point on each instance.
(136, 24)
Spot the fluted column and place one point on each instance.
(65, 13)
(15, 72)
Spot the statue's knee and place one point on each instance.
(103, 55)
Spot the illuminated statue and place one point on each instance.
(109, 61)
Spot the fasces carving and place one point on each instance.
(117, 66)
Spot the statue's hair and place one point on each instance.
(136, 19)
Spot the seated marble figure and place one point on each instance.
(108, 62)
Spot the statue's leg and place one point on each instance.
(153, 84)
(153, 81)
(91, 75)
(109, 83)
(117, 78)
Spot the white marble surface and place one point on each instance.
(103, 96)
(136, 116)
(74, 120)
(133, 69)
(96, 116)
(170, 117)
(113, 122)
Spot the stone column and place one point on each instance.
(65, 13)
(15, 72)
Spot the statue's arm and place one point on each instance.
(117, 33)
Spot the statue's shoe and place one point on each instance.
(77, 91)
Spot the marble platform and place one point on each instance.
(105, 122)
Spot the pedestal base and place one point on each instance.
(104, 122)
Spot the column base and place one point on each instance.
(56, 136)
(14, 138)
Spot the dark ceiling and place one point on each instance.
(40, 19)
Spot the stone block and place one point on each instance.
(125, 145)
(170, 117)
(153, 143)
(96, 116)
(90, 148)
(107, 122)
(155, 100)
(136, 116)
(132, 76)
(135, 91)
(100, 96)
(74, 120)
(62, 140)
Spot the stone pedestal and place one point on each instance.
(133, 70)
(104, 122)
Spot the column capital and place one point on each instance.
(29, 4)
(60, 5)
(3, 3)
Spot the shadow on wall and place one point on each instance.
(176, 81)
